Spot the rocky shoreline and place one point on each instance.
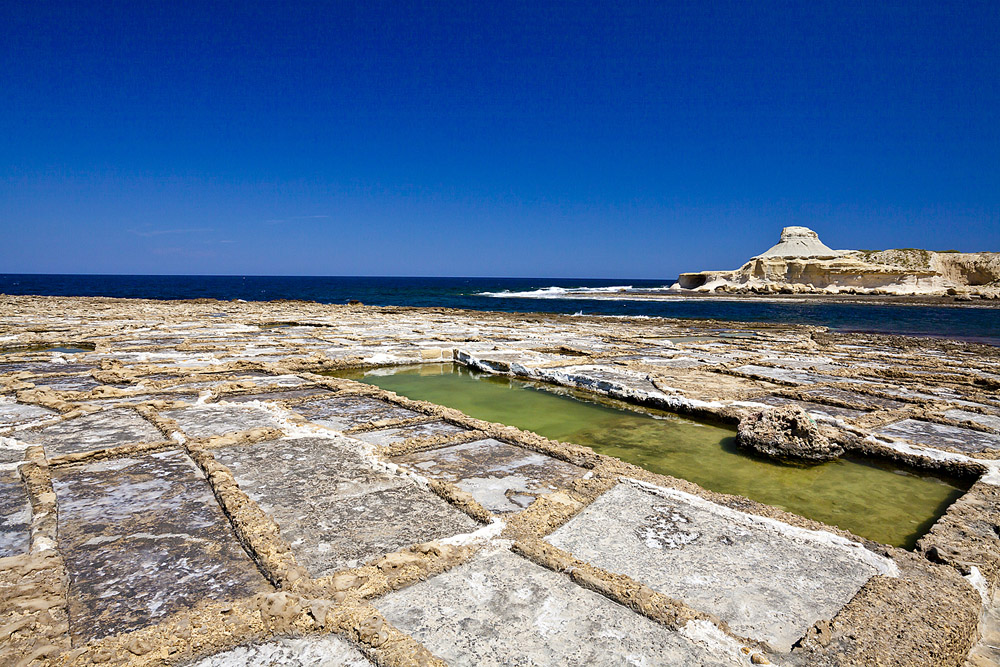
(221, 408)
(789, 295)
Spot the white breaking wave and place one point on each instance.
(557, 292)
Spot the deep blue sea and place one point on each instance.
(520, 295)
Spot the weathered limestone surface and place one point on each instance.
(502, 477)
(322, 651)
(333, 508)
(144, 537)
(991, 421)
(786, 432)
(500, 609)
(14, 415)
(854, 398)
(391, 436)
(99, 430)
(346, 412)
(204, 421)
(817, 409)
(777, 581)
(276, 395)
(67, 382)
(942, 435)
(15, 515)
(134, 540)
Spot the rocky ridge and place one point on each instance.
(801, 264)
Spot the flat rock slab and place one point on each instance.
(604, 379)
(143, 538)
(14, 415)
(676, 362)
(344, 412)
(854, 398)
(66, 382)
(114, 427)
(790, 376)
(205, 421)
(500, 609)
(15, 515)
(333, 508)
(11, 452)
(313, 651)
(41, 367)
(814, 363)
(390, 436)
(941, 435)
(502, 477)
(989, 421)
(277, 395)
(767, 580)
(812, 408)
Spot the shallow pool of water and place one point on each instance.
(880, 501)
(84, 347)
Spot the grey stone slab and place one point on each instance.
(904, 392)
(41, 367)
(989, 421)
(18, 367)
(604, 379)
(794, 363)
(768, 581)
(15, 515)
(207, 380)
(277, 380)
(502, 477)
(133, 399)
(813, 408)
(14, 415)
(204, 421)
(12, 451)
(311, 651)
(791, 376)
(678, 362)
(333, 508)
(854, 398)
(113, 427)
(143, 538)
(66, 382)
(500, 610)
(344, 412)
(389, 436)
(939, 435)
(986, 652)
(277, 395)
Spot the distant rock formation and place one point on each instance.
(801, 263)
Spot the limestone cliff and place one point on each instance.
(801, 263)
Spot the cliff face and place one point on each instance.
(784, 269)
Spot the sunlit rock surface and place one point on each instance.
(801, 263)
(185, 485)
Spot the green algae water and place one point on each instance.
(882, 502)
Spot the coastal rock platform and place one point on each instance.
(187, 487)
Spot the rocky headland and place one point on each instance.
(801, 264)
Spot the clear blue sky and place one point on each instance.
(570, 139)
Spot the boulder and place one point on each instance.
(786, 432)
